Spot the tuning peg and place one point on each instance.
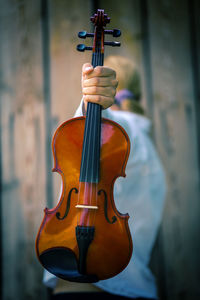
(84, 34)
(114, 32)
(113, 44)
(82, 47)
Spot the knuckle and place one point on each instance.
(94, 90)
(85, 97)
(108, 103)
(96, 81)
(85, 91)
(98, 98)
(109, 91)
(114, 73)
(115, 82)
(98, 70)
(113, 92)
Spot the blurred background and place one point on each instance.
(40, 72)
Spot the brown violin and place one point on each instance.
(85, 238)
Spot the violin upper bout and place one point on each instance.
(115, 149)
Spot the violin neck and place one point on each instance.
(97, 59)
(90, 161)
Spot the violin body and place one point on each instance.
(111, 248)
(85, 238)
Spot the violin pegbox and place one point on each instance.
(100, 20)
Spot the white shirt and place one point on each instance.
(142, 195)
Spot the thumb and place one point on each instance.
(87, 68)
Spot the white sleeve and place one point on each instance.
(49, 279)
(80, 110)
(123, 118)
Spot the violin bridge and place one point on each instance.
(86, 206)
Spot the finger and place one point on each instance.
(96, 90)
(100, 81)
(87, 68)
(101, 71)
(104, 101)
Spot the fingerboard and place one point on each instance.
(90, 161)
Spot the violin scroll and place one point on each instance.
(100, 20)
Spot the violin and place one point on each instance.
(85, 238)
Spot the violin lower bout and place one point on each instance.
(107, 253)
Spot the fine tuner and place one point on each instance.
(84, 34)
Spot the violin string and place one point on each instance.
(94, 136)
(98, 122)
(99, 130)
(86, 210)
(78, 202)
(88, 144)
(93, 141)
(89, 119)
(84, 151)
(92, 147)
(95, 161)
(83, 167)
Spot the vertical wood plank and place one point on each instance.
(176, 138)
(23, 148)
(1, 206)
(194, 24)
(146, 58)
(46, 68)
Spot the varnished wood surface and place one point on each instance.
(111, 248)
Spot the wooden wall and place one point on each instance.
(176, 137)
(40, 88)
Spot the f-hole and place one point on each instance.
(68, 205)
(114, 219)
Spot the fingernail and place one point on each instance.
(88, 69)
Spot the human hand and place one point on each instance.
(98, 85)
